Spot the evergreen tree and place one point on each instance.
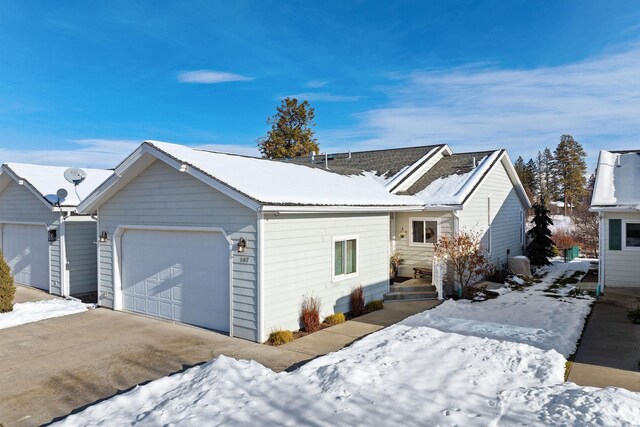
(545, 164)
(531, 170)
(570, 170)
(541, 246)
(7, 287)
(291, 133)
(527, 174)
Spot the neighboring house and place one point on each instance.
(234, 243)
(616, 198)
(46, 244)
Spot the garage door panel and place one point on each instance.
(182, 276)
(26, 250)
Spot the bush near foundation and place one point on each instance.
(334, 319)
(7, 287)
(357, 301)
(310, 314)
(374, 305)
(280, 337)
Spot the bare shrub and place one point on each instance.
(563, 239)
(463, 256)
(357, 301)
(310, 314)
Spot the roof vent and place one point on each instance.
(474, 162)
(326, 160)
(349, 154)
(619, 160)
(313, 156)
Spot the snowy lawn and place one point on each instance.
(498, 362)
(28, 312)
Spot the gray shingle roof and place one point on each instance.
(457, 164)
(384, 162)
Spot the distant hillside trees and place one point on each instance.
(558, 174)
(291, 133)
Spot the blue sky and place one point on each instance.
(82, 83)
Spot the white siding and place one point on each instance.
(18, 204)
(622, 268)
(160, 195)
(504, 216)
(298, 261)
(81, 251)
(417, 255)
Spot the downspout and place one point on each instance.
(63, 255)
(260, 275)
(601, 263)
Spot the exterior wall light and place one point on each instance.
(52, 235)
(403, 233)
(103, 236)
(241, 245)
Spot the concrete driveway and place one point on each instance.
(53, 367)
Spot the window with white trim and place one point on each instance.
(345, 257)
(632, 234)
(423, 231)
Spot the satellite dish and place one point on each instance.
(75, 175)
(62, 194)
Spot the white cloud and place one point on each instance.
(101, 153)
(210, 76)
(473, 108)
(322, 97)
(315, 84)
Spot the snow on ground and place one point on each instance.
(28, 312)
(561, 222)
(474, 364)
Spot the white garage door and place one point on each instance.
(177, 275)
(26, 249)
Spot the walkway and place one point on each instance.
(609, 351)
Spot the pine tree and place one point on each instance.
(540, 249)
(291, 133)
(7, 287)
(531, 172)
(545, 164)
(527, 174)
(570, 170)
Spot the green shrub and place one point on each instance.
(310, 314)
(357, 301)
(334, 319)
(7, 287)
(374, 305)
(634, 315)
(280, 337)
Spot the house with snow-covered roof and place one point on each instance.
(233, 243)
(45, 242)
(616, 198)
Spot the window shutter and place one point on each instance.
(615, 234)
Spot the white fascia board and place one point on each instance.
(614, 209)
(26, 184)
(340, 209)
(90, 204)
(515, 179)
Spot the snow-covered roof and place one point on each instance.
(617, 178)
(279, 183)
(261, 182)
(45, 181)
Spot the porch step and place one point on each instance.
(395, 296)
(412, 287)
(622, 297)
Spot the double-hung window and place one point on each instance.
(632, 235)
(345, 257)
(423, 231)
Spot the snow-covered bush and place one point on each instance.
(7, 287)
